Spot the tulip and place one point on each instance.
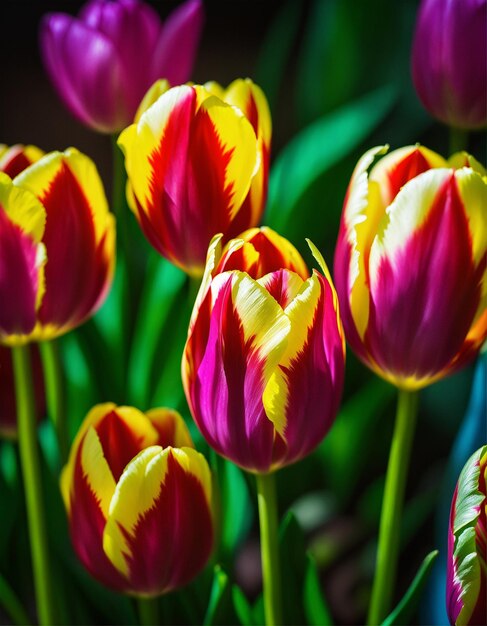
(15, 159)
(48, 297)
(410, 264)
(138, 498)
(197, 165)
(448, 61)
(410, 268)
(466, 590)
(102, 62)
(263, 364)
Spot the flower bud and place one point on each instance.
(448, 61)
(410, 264)
(263, 365)
(138, 498)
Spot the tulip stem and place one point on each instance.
(458, 140)
(148, 611)
(31, 471)
(54, 385)
(269, 548)
(392, 504)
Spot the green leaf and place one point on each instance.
(236, 506)
(11, 604)
(273, 60)
(403, 612)
(292, 551)
(320, 146)
(220, 603)
(317, 612)
(161, 295)
(242, 607)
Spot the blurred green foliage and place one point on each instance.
(341, 67)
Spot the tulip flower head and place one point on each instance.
(58, 247)
(466, 590)
(410, 264)
(448, 61)
(138, 498)
(263, 365)
(197, 165)
(102, 62)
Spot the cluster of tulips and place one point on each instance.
(264, 362)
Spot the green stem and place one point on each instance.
(458, 140)
(29, 458)
(54, 385)
(148, 611)
(11, 604)
(269, 548)
(392, 504)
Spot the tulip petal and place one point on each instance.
(156, 502)
(303, 394)
(79, 238)
(421, 265)
(247, 334)
(175, 52)
(171, 428)
(260, 251)
(90, 84)
(16, 158)
(22, 258)
(88, 486)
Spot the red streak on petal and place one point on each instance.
(19, 278)
(426, 298)
(86, 525)
(16, 164)
(120, 444)
(76, 269)
(189, 198)
(405, 170)
(172, 541)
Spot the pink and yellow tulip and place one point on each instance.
(197, 165)
(138, 497)
(466, 591)
(58, 257)
(263, 365)
(410, 264)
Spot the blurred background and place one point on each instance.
(336, 74)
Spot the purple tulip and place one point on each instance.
(449, 61)
(102, 62)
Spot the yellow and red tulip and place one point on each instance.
(466, 587)
(263, 365)
(410, 263)
(72, 269)
(15, 159)
(138, 497)
(196, 167)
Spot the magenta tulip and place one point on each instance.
(449, 61)
(102, 62)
